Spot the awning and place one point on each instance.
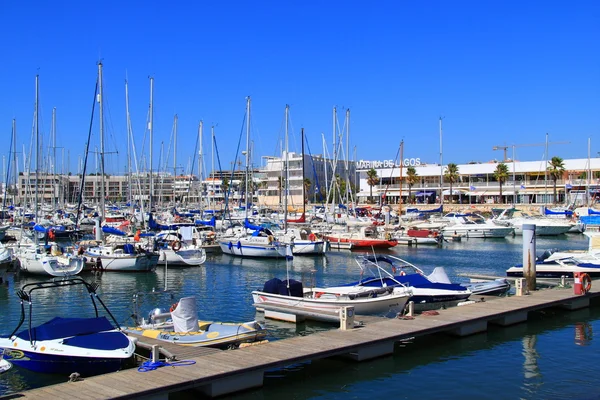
(492, 193)
(455, 192)
(425, 193)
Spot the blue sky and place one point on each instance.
(499, 72)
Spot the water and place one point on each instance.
(547, 357)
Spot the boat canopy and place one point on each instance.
(113, 231)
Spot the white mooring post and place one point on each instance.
(98, 229)
(529, 257)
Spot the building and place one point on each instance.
(528, 182)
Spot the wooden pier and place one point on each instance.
(222, 372)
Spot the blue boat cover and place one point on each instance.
(212, 222)
(113, 231)
(99, 341)
(250, 226)
(59, 327)
(39, 228)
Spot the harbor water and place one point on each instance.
(551, 356)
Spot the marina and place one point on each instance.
(332, 268)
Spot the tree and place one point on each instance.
(501, 174)
(372, 180)
(411, 178)
(307, 184)
(451, 175)
(225, 186)
(556, 169)
(280, 185)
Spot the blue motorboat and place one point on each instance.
(429, 292)
(88, 346)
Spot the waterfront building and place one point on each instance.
(528, 183)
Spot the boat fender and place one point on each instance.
(312, 237)
(239, 245)
(586, 282)
(402, 273)
(319, 294)
(51, 234)
(271, 239)
(173, 307)
(176, 246)
(230, 245)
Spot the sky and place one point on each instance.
(498, 73)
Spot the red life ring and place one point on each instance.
(319, 294)
(51, 234)
(173, 307)
(312, 237)
(586, 282)
(176, 245)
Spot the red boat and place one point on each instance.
(366, 237)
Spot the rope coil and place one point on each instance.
(148, 366)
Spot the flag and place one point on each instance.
(568, 186)
(471, 188)
(522, 186)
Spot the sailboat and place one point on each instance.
(251, 240)
(300, 240)
(119, 255)
(44, 258)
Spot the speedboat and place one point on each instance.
(428, 292)
(474, 226)
(180, 325)
(497, 287)
(88, 346)
(365, 300)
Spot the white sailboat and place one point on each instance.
(121, 255)
(34, 257)
(251, 240)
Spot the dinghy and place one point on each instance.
(181, 326)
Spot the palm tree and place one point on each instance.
(501, 174)
(556, 169)
(225, 187)
(411, 178)
(372, 180)
(280, 185)
(307, 184)
(451, 175)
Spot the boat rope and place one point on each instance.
(148, 366)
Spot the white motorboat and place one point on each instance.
(125, 257)
(88, 346)
(49, 260)
(543, 226)
(365, 300)
(302, 241)
(178, 249)
(474, 226)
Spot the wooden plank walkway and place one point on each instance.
(229, 367)
(179, 351)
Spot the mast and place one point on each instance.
(589, 174)
(401, 165)
(546, 171)
(175, 118)
(37, 146)
(101, 109)
(15, 165)
(200, 162)
(129, 190)
(247, 149)
(348, 157)
(151, 138)
(441, 168)
(286, 170)
(304, 197)
(212, 158)
(54, 180)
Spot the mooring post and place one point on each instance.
(155, 353)
(97, 230)
(529, 257)
(411, 309)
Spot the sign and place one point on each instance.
(407, 162)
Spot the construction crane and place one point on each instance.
(505, 148)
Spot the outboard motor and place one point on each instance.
(546, 254)
(158, 316)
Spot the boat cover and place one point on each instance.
(59, 327)
(277, 286)
(185, 315)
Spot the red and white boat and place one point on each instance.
(365, 237)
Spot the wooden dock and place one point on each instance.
(222, 372)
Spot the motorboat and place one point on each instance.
(363, 237)
(5, 365)
(179, 250)
(418, 236)
(47, 259)
(301, 240)
(496, 287)
(88, 346)
(428, 292)
(543, 226)
(181, 325)
(365, 300)
(474, 226)
(554, 264)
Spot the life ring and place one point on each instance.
(586, 282)
(176, 245)
(51, 234)
(319, 294)
(402, 273)
(173, 307)
(312, 237)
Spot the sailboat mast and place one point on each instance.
(101, 109)
(589, 174)
(15, 165)
(37, 145)
(175, 118)
(286, 169)
(401, 178)
(441, 167)
(347, 163)
(247, 150)
(54, 180)
(304, 197)
(212, 158)
(129, 190)
(151, 139)
(200, 162)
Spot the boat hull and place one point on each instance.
(478, 233)
(243, 248)
(306, 247)
(362, 243)
(182, 258)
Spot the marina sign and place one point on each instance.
(407, 162)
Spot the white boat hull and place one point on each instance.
(324, 300)
(186, 257)
(545, 230)
(479, 232)
(248, 248)
(40, 264)
(308, 247)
